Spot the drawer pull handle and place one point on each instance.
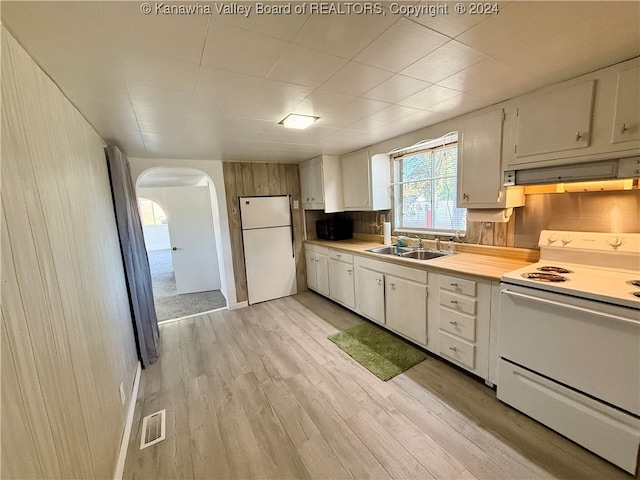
(455, 302)
(453, 284)
(454, 323)
(453, 349)
(338, 255)
(349, 271)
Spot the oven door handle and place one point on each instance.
(571, 307)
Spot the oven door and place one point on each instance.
(586, 345)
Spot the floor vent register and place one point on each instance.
(153, 429)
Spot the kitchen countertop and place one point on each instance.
(481, 261)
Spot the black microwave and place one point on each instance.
(334, 229)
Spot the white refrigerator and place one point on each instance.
(267, 235)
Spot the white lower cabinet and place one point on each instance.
(370, 294)
(454, 320)
(341, 279)
(462, 306)
(406, 308)
(317, 260)
(393, 295)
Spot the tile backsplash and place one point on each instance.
(613, 211)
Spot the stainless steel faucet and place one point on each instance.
(438, 243)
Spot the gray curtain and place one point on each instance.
(134, 257)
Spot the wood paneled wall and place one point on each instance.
(66, 333)
(249, 179)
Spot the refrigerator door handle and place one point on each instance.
(293, 246)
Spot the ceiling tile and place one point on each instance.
(238, 50)
(395, 89)
(322, 102)
(342, 35)
(360, 108)
(445, 61)
(477, 75)
(154, 96)
(161, 120)
(159, 72)
(429, 96)
(400, 46)
(451, 24)
(608, 31)
(516, 21)
(274, 100)
(224, 92)
(180, 37)
(393, 113)
(457, 105)
(283, 27)
(303, 66)
(356, 79)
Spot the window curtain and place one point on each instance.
(134, 257)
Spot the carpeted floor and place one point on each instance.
(168, 303)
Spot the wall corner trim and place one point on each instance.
(124, 445)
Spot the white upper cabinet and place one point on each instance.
(480, 164)
(592, 117)
(321, 184)
(555, 122)
(365, 181)
(626, 123)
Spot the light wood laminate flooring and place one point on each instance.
(261, 393)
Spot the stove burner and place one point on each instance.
(636, 294)
(554, 269)
(544, 277)
(635, 283)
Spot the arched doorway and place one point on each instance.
(179, 227)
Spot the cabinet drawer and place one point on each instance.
(341, 256)
(458, 302)
(458, 285)
(461, 325)
(457, 349)
(309, 247)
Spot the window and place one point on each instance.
(425, 179)
(151, 213)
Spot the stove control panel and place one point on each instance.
(598, 241)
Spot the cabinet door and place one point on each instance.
(555, 122)
(315, 184)
(406, 308)
(310, 258)
(341, 283)
(356, 181)
(305, 187)
(480, 167)
(370, 294)
(322, 273)
(626, 124)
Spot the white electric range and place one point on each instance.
(569, 341)
(598, 266)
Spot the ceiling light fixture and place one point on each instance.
(298, 121)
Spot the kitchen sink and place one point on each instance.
(424, 254)
(391, 250)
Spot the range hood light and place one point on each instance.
(299, 122)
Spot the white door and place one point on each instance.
(190, 222)
(269, 262)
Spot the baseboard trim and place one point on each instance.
(239, 305)
(124, 445)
